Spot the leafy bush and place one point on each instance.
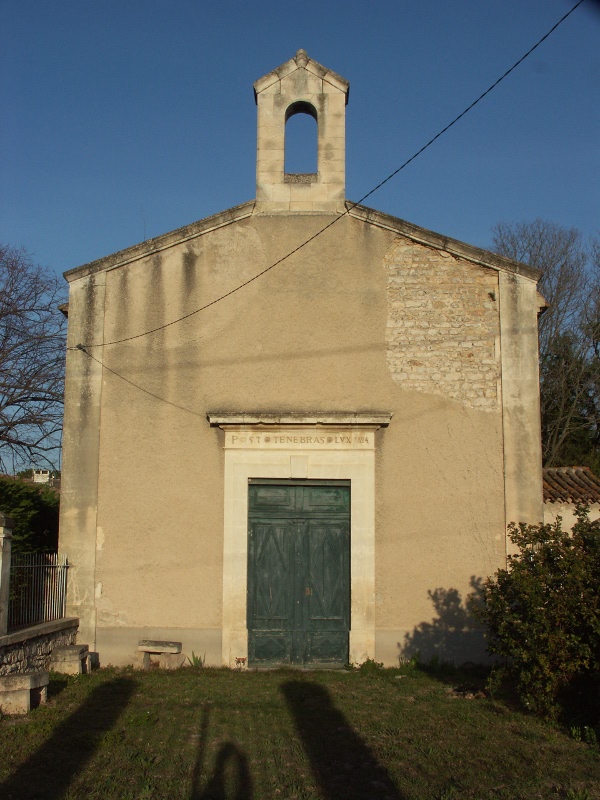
(34, 509)
(543, 615)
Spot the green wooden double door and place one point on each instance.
(298, 574)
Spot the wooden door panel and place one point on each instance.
(328, 575)
(271, 578)
(269, 647)
(327, 647)
(298, 574)
(326, 499)
(268, 498)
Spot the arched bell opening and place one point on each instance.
(301, 143)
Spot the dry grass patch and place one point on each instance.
(207, 734)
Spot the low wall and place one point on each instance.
(30, 649)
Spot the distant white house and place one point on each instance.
(564, 488)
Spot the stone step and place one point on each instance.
(71, 659)
(22, 691)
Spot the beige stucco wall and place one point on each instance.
(311, 335)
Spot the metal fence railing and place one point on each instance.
(38, 589)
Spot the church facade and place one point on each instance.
(289, 424)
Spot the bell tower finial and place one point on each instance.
(301, 86)
(301, 58)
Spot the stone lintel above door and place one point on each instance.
(372, 420)
(300, 431)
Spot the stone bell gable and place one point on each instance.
(301, 86)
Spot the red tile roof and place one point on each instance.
(571, 485)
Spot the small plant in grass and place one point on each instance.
(578, 794)
(493, 684)
(438, 666)
(585, 734)
(411, 661)
(450, 793)
(543, 616)
(575, 733)
(589, 735)
(371, 667)
(197, 661)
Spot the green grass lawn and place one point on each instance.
(205, 733)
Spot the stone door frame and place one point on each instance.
(331, 447)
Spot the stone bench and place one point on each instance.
(71, 659)
(22, 691)
(169, 654)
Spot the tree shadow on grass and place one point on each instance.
(231, 770)
(47, 773)
(453, 636)
(57, 684)
(344, 767)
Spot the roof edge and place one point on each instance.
(571, 485)
(162, 242)
(430, 238)
(357, 211)
(301, 61)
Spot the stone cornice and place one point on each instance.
(163, 242)
(224, 419)
(42, 629)
(435, 240)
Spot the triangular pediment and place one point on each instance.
(302, 61)
(358, 212)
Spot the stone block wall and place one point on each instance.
(29, 650)
(443, 325)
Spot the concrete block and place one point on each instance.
(21, 692)
(72, 659)
(141, 660)
(171, 660)
(155, 646)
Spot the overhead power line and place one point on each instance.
(136, 385)
(350, 207)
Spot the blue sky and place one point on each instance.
(124, 120)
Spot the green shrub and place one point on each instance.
(34, 508)
(542, 615)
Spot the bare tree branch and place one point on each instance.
(569, 363)
(32, 352)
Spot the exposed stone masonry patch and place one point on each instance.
(443, 325)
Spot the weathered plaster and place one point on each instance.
(519, 306)
(81, 436)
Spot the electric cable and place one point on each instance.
(136, 385)
(349, 208)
